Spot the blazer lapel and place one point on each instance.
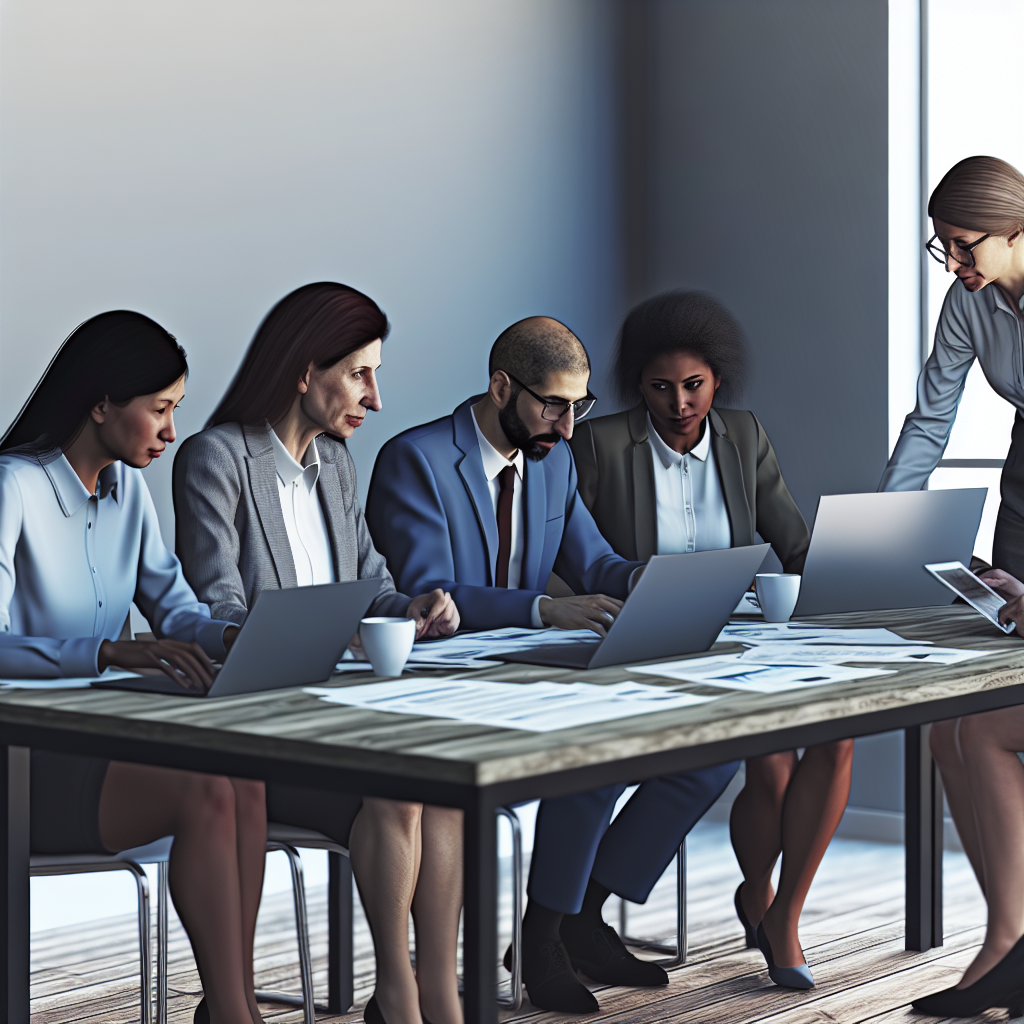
(730, 473)
(333, 503)
(535, 505)
(471, 469)
(263, 484)
(645, 512)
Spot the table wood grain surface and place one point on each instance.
(296, 727)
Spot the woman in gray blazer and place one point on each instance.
(265, 497)
(674, 474)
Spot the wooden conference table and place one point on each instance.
(294, 737)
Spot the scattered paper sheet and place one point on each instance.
(471, 650)
(789, 653)
(732, 672)
(68, 683)
(770, 632)
(531, 707)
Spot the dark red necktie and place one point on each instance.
(507, 482)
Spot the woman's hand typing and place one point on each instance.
(186, 664)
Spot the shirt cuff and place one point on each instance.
(535, 619)
(79, 657)
(210, 636)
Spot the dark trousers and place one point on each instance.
(574, 841)
(1008, 544)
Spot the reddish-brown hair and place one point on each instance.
(317, 323)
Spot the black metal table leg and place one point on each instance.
(340, 985)
(923, 829)
(14, 892)
(480, 921)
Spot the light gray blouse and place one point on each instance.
(972, 325)
(72, 562)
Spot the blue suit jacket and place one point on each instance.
(430, 514)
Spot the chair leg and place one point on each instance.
(677, 952)
(340, 981)
(302, 935)
(161, 941)
(515, 997)
(145, 953)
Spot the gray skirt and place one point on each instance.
(1008, 543)
(64, 803)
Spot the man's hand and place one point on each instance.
(1005, 585)
(186, 664)
(592, 611)
(1013, 611)
(435, 614)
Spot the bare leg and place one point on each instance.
(945, 746)
(386, 848)
(140, 804)
(251, 827)
(755, 826)
(435, 909)
(995, 776)
(815, 802)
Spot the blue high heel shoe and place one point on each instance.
(785, 977)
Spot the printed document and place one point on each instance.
(789, 653)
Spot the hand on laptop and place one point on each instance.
(435, 614)
(186, 664)
(592, 611)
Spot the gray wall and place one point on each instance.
(196, 160)
(766, 184)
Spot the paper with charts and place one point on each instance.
(531, 707)
(834, 654)
(733, 672)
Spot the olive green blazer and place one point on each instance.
(616, 481)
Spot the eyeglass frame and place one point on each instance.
(545, 402)
(947, 254)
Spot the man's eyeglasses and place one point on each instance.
(555, 409)
(941, 254)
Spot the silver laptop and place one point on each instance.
(679, 606)
(869, 551)
(292, 637)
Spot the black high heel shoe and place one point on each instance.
(748, 929)
(202, 1013)
(372, 1014)
(1002, 987)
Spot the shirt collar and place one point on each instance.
(71, 492)
(668, 456)
(997, 300)
(494, 462)
(289, 470)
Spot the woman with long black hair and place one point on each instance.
(79, 541)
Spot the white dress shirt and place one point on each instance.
(978, 325)
(71, 563)
(304, 520)
(494, 462)
(691, 507)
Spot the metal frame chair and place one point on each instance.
(132, 861)
(678, 952)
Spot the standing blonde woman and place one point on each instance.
(977, 212)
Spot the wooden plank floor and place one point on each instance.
(852, 931)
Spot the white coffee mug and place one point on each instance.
(777, 593)
(388, 643)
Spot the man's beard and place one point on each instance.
(531, 445)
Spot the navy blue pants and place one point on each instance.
(574, 841)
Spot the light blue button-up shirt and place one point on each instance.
(72, 562)
(978, 325)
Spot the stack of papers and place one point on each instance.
(532, 707)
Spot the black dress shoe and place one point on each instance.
(749, 936)
(202, 1013)
(1002, 987)
(599, 953)
(550, 981)
(372, 1014)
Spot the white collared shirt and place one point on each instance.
(71, 563)
(304, 520)
(691, 507)
(494, 462)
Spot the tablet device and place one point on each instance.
(978, 594)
